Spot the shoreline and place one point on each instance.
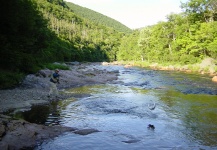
(35, 87)
(15, 134)
(20, 134)
(207, 66)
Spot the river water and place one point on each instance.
(185, 116)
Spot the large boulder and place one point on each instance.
(214, 79)
(20, 134)
(207, 62)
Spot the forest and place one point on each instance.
(185, 38)
(98, 18)
(35, 33)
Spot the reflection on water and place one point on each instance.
(185, 116)
(198, 114)
(38, 114)
(45, 114)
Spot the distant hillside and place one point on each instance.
(35, 33)
(98, 18)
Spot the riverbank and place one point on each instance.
(35, 87)
(18, 134)
(207, 67)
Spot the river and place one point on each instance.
(185, 116)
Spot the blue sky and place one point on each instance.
(133, 13)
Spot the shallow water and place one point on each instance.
(185, 116)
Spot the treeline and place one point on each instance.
(185, 38)
(88, 40)
(98, 18)
(93, 41)
(36, 32)
(25, 40)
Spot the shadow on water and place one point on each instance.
(185, 116)
(44, 114)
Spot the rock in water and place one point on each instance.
(86, 131)
(131, 141)
(152, 106)
(151, 126)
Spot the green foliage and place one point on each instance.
(187, 59)
(186, 38)
(38, 32)
(9, 79)
(86, 38)
(58, 2)
(98, 18)
(27, 42)
(128, 49)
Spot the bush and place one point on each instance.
(188, 59)
(10, 79)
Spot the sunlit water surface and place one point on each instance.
(185, 116)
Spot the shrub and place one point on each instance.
(10, 79)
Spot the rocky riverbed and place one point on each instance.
(19, 134)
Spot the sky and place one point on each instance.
(133, 13)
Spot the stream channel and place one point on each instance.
(185, 116)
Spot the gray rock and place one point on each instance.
(131, 141)
(73, 63)
(86, 131)
(19, 134)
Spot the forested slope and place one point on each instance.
(36, 32)
(98, 18)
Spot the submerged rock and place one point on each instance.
(131, 141)
(86, 131)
